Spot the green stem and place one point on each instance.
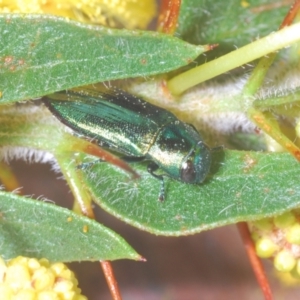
(273, 42)
(292, 97)
(258, 75)
(75, 182)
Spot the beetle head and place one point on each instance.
(196, 164)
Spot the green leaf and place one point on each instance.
(242, 186)
(38, 229)
(27, 127)
(231, 24)
(41, 54)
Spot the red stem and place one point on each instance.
(105, 265)
(289, 18)
(111, 280)
(254, 260)
(168, 16)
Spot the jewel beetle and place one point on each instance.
(137, 130)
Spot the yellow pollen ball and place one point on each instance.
(18, 277)
(43, 279)
(293, 234)
(284, 261)
(285, 220)
(265, 248)
(25, 295)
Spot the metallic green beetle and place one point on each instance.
(137, 129)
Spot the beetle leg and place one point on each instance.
(152, 167)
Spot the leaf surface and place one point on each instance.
(231, 24)
(38, 229)
(242, 186)
(41, 54)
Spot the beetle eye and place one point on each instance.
(188, 173)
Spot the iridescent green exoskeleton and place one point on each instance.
(136, 129)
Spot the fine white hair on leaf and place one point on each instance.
(8, 153)
(211, 106)
(281, 80)
(55, 167)
(218, 107)
(17, 190)
(228, 123)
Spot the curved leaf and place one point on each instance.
(38, 229)
(232, 23)
(242, 186)
(41, 54)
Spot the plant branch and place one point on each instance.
(254, 260)
(264, 46)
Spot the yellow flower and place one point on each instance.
(278, 238)
(114, 13)
(25, 278)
